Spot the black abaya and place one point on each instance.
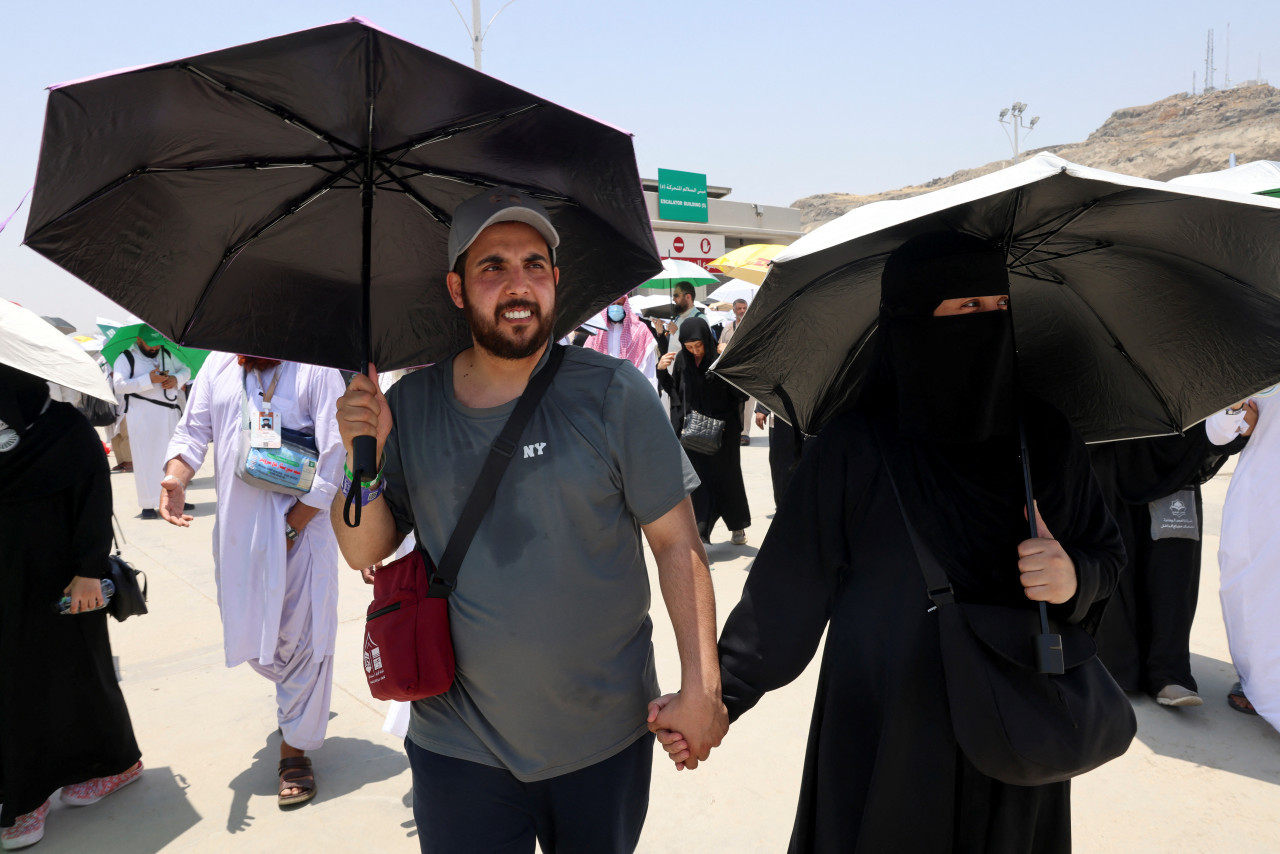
(882, 769)
(1145, 636)
(62, 716)
(721, 493)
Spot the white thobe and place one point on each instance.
(150, 424)
(1249, 554)
(649, 364)
(278, 605)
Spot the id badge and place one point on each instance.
(264, 431)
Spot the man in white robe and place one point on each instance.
(275, 564)
(626, 336)
(1249, 552)
(147, 380)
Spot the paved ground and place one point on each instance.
(1195, 780)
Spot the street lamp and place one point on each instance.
(477, 34)
(1014, 115)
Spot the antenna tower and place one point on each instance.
(1208, 64)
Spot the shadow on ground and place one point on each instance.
(342, 766)
(1211, 735)
(728, 551)
(145, 817)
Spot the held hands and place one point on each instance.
(688, 726)
(363, 411)
(85, 593)
(1047, 572)
(172, 500)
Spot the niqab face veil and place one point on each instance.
(954, 375)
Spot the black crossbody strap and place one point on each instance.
(935, 577)
(504, 447)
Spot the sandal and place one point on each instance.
(295, 773)
(1238, 701)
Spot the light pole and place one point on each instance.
(474, 31)
(1014, 115)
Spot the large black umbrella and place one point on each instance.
(264, 198)
(291, 198)
(1138, 307)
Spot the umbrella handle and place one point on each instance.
(364, 450)
(1048, 645)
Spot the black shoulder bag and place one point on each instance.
(1014, 722)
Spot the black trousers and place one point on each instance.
(782, 457)
(1145, 635)
(464, 807)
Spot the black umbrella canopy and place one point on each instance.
(1139, 307)
(220, 197)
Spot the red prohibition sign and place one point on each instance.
(678, 245)
(706, 246)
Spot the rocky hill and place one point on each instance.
(1179, 135)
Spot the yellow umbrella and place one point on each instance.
(749, 263)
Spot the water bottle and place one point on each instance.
(108, 590)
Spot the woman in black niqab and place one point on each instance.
(63, 719)
(883, 771)
(721, 493)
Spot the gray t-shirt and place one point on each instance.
(550, 617)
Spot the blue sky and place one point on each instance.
(776, 100)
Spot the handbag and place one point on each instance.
(98, 411)
(1014, 723)
(289, 469)
(408, 650)
(129, 598)
(701, 434)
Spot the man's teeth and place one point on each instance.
(518, 314)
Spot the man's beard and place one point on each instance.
(488, 334)
(149, 352)
(254, 363)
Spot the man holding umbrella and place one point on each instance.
(543, 733)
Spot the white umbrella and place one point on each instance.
(734, 290)
(30, 344)
(1260, 176)
(674, 270)
(640, 303)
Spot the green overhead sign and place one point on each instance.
(682, 196)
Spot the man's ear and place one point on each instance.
(454, 282)
(555, 272)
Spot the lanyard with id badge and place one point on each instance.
(264, 425)
(276, 458)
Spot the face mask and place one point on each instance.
(617, 313)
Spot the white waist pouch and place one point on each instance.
(288, 462)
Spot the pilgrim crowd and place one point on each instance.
(609, 457)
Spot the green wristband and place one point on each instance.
(365, 483)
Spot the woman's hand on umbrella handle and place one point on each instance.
(363, 411)
(1045, 569)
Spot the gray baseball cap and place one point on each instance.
(499, 204)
